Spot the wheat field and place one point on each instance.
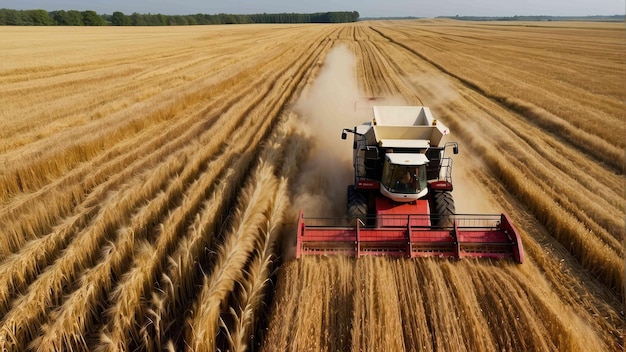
(150, 179)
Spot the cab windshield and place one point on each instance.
(407, 179)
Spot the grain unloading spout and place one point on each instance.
(411, 236)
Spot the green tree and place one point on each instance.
(59, 17)
(160, 20)
(10, 17)
(137, 19)
(67, 18)
(178, 20)
(39, 18)
(91, 18)
(120, 19)
(201, 19)
(191, 20)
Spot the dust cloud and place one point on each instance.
(470, 194)
(325, 108)
(435, 89)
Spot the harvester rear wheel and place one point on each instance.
(357, 203)
(442, 209)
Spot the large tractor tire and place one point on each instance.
(357, 203)
(442, 209)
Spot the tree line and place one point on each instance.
(9, 17)
(597, 18)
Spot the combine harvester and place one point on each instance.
(401, 202)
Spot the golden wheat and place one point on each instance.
(120, 333)
(118, 173)
(79, 254)
(232, 256)
(249, 300)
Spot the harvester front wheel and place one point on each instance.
(442, 209)
(357, 203)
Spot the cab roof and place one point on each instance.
(407, 159)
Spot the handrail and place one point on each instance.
(300, 234)
(457, 245)
(358, 239)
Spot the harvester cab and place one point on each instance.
(401, 200)
(404, 177)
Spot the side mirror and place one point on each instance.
(344, 135)
(455, 150)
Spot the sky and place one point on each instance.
(366, 8)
